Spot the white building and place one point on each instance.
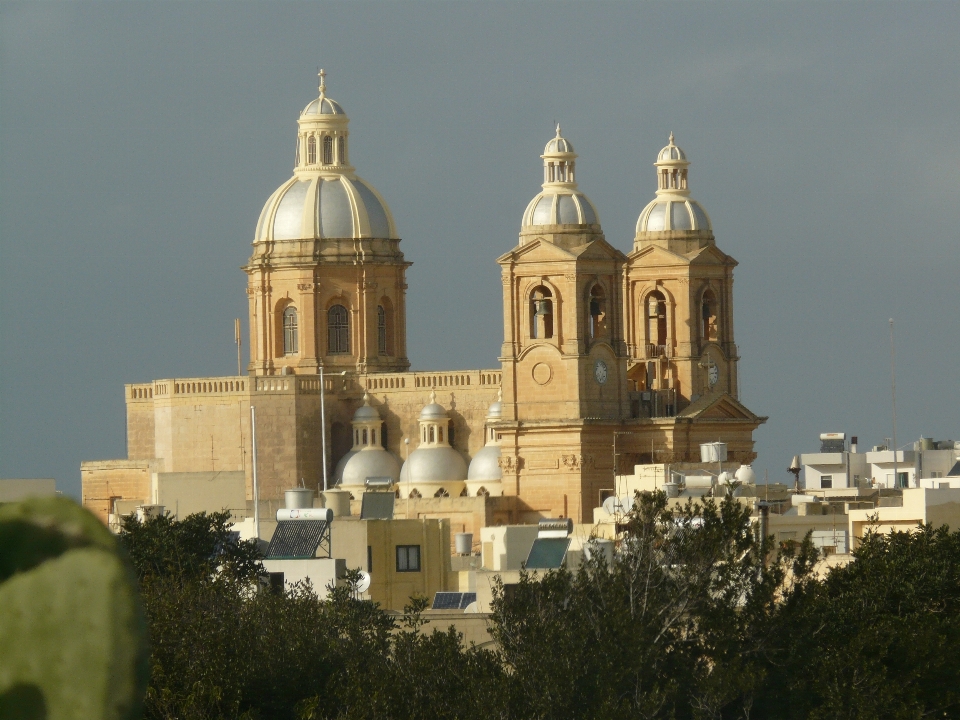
(838, 465)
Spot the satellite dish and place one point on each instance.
(363, 583)
(617, 506)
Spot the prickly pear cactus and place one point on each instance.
(72, 633)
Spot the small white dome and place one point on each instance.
(366, 413)
(746, 475)
(325, 207)
(369, 463)
(678, 214)
(434, 464)
(558, 208)
(323, 106)
(485, 464)
(558, 145)
(433, 410)
(671, 152)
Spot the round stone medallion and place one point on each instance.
(542, 373)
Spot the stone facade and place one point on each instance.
(608, 360)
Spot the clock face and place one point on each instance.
(713, 374)
(600, 371)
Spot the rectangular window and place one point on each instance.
(369, 559)
(408, 558)
(826, 481)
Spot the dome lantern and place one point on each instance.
(673, 209)
(560, 202)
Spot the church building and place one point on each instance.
(609, 359)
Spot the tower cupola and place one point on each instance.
(672, 209)
(560, 202)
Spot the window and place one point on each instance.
(298, 152)
(327, 150)
(381, 329)
(311, 151)
(597, 309)
(364, 436)
(341, 150)
(708, 314)
(338, 330)
(826, 481)
(290, 331)
(541, 313)
(408, 558)
(657, 320)
(430, 434)
(369, 559)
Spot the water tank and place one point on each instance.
(713, 452)
(298, 498)
(463, 543)
(672, 489)
(746, 476)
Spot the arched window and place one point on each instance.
(709, 327)
(327, 150)
(441, 493)
(381, 329)
(338, 330)
(483, 492)
(290, 331)
(541, 313)
(311, 150)
(299, 140)
(341, 150)
(414, 494)
(440, 434)
(430, 434)
(597, 312)
(364, 436)
(656, 322)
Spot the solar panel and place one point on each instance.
(297, 539)
(377, 506)
(547, 553)
(467, 599)
(448, 600)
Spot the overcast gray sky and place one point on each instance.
(139, 141)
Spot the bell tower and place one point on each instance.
(679, 304)
(563, 353)
(327, 279)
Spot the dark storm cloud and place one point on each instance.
(139, 142)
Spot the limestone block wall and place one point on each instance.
(103, 481)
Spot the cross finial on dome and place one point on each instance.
(366, 399)
(322, 74)
(558, 129)
(433, 396)
(671, 137)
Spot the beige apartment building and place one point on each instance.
(599, 345)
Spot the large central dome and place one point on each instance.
(325, 198)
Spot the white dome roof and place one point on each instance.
(485, 464)
(367, 463)
(671, 152)
(366, 413)
(551, 207)
(335, 206)
(338, 471)
(677, 214)
(558, 145)
(323, 106)
(434, 464)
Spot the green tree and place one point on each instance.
(678, 627)
(878, 638)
